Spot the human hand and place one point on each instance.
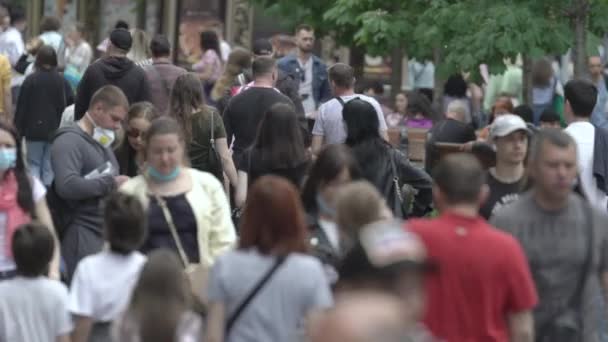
(120, 180)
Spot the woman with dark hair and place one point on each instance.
(398, 117)
(456, 88)
(162, 304)
(419, 111)
(381, 164)
(22, 198)
(177, 198)
(209, 68)
(130, 154)
(278, 149)
(200, 123)
(273, 247)
(42, 99)
(334, 167)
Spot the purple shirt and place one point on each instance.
(419, 123)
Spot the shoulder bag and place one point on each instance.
(215, 161)
(404, 194)
(567, 325)
(254, 291)
(197, 273)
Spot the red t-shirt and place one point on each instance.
(483, 276)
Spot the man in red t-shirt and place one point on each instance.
(483, 290)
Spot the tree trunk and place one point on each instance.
(527, 80)
(438, 91)
(579, 48)
(357, 61)
(396, 71)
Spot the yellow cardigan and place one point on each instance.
(215, 230)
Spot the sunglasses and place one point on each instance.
(134, 133)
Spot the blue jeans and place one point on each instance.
(39, 160)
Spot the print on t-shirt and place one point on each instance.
(501, 195)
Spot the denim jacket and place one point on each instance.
(320, 83)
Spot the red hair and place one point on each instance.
(273, 220)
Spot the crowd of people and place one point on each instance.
(262, 196)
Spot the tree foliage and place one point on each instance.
(466, 32)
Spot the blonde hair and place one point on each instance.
(238, 61)
(357, 204)
(140, 50)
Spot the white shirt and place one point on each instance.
(33, 309)
(12, 46)
(102, 284)
(6, 262)
(584, 135)
(306, 86)
(331, 231)
(225, 49)
(330, 124)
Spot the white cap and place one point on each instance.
(507, 124)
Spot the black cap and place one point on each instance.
(121, 38)
(262, 47)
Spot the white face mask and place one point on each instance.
(103, 136)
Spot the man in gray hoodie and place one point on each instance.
(86, 171)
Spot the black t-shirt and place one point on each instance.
(252, 163)
(501, 194)
(244, 113)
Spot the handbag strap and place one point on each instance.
(396, 178)
(167, 214)
(256, 289)
(212, 140)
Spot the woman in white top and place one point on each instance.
(22, 198)
(161, 305)
(272, 246)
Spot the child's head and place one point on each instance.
(125, 223)
(33, 248)
(549, 119)
(139, 117)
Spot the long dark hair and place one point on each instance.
(210, 41)
(279, 139)
(24, 192)
(361, 122)
(46, 58)
(332, 160)
(160, 298)
(186, 97)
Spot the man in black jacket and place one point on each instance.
(113, 69)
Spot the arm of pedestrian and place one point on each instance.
(82, 328)
(67, 165)
(216, 321)
(317, 145)
(44, 216)
(521, 326)
(241, 189)
(227, 161)
(63, 338)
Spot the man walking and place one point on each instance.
(309, 70)
(564, 239)
(506, 180)
(581, 97)
(596, 76)
(114, 69)
(86, 171)
(483, 290)
(329, 126)
(245, 111)
(161, 75)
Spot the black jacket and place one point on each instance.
(42, 99)
(600, 161)
(111, 70)
(374, 157)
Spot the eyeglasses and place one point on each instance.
(134, 133)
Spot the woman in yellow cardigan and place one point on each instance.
(195, 201)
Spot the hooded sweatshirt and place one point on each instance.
(74, 154)
(111, 70)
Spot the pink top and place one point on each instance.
(419, 123)
(210, 59)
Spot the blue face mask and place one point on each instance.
(159, 177)
(324, 208)
(8, 158)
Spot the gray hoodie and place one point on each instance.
(74, 154)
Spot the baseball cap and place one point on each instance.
(384, 248)
(262, 47)
(507, 124)
(121, 38)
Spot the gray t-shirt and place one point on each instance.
(278, 310)
(33, 309)
(555, 244)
